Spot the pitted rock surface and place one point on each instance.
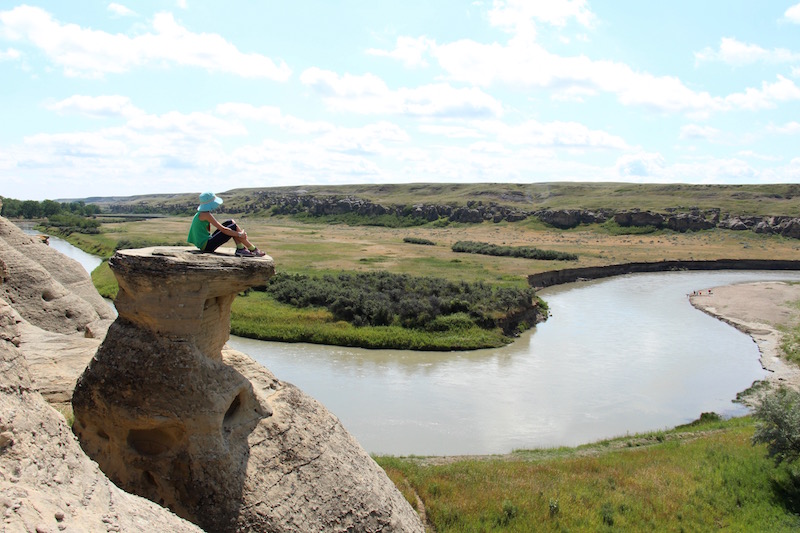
(61, 318)
(46, 481)
(209, 433)
(48, 289)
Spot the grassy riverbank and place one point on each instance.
(704, 477)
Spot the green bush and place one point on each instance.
(69, 223)
(778, 416)
(386, 299)
(527, 252)
(418, 240)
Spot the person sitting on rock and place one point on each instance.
(199, 231)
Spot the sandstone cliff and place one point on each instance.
(285, 462)
(47, 483)
(212, 435)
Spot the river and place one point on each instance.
(618, 356)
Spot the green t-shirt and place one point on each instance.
(199, 232)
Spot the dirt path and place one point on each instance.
(761, 310)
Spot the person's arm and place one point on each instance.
(208, 217)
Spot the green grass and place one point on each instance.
(707, 479)
(259, 316)
(104, 281)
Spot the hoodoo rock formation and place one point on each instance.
(46, 481)
(169, 415)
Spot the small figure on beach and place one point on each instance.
(200, 231)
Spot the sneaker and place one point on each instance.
(257, 253)
(244, 252)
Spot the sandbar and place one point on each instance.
(763, 310)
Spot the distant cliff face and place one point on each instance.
(170, 415)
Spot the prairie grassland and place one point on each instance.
(706, 478)
(316, 248)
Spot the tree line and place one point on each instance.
(30, 209)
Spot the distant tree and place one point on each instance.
(778, 426)
(12, 208)
(50, 208)
(31, 209)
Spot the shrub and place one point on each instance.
(383, 298)
(417, 240)
(526, 252)
(778, 416)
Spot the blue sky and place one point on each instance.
(124, 98)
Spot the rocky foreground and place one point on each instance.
(168, 413)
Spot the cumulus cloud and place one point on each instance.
(9, 54)
(640, 165)
(790, 128)
(106, 106)
(120, 10)
(737, 53)
(693, 131)
(410, 51)
(369, 94)
(793, 14)
(770, 94)
(92, 53)
(273, 115)
(519, 17)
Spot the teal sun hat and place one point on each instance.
(209, 201)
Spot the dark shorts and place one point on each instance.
(218, 238)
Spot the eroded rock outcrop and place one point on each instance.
(209, 433)
(46, 481)
(62, 317)
(50, 291)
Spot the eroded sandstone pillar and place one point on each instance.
(169, 415)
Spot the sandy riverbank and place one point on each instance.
(761, 310)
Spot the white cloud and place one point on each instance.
(369, 94)
(790, 128)
(693, 131)
(409, 50)
(120, 10)
(556, 134)
(783, 90)
(452, 132)
(183, 4)
(793, 14)
(194, 125)
(737, 53)
(92, 53)
(9, 54)
(273, 115)
(756, 155)
(106, 106)
(640, 165)
(519, 17)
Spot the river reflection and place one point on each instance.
(619, 355)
